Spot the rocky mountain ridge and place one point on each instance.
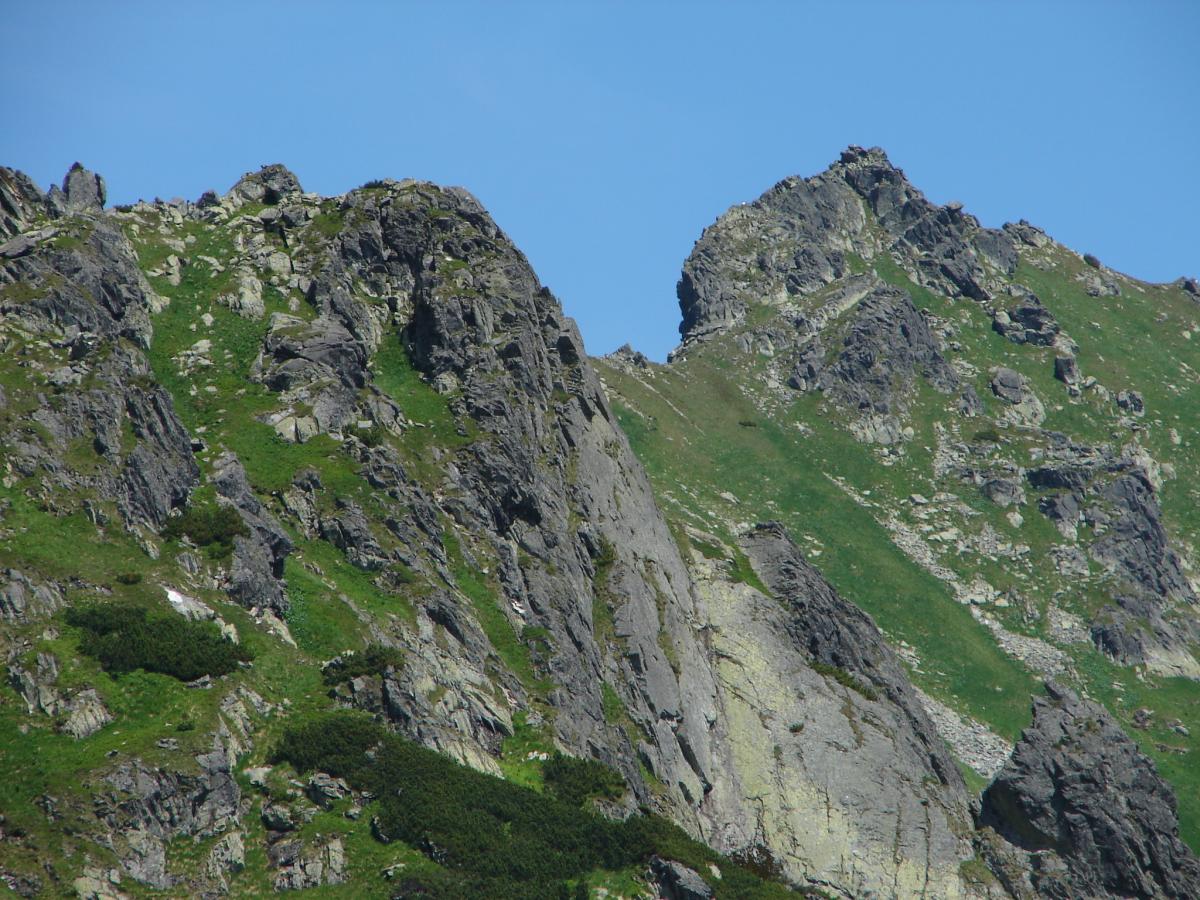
(848, 306)
(354, 452)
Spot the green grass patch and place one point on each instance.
(844, 678)
(485, 600)
(781, 473)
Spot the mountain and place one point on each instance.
(326, 562)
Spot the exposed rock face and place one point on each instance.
(1138, 627)
(808, 675)
(574, 525)
(1137, 542)
(553, 480)
(81, 712)
(258, 558)
(1024, 406)
(146, 808)
(81, 192)
(21, 202)
(1115, 495)
(303, 867)
(888, 345)
(227, 857)
(1027, 323)
(270, 184)
(21, 600)
(443, 698)
(86, 714)
(1078, 789)
(517, 559)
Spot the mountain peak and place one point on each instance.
(872, 156)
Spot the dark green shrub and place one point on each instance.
(123, 638)
(210, 526)
(494, 838)
(336, 743)
(577, 781)
(374, 660)
(130, 578)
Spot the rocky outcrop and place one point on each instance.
(227, 857)
(144, 808)
(675, 881)
(302, 867)
(256, 571)
(1086, 809)
(21, 202)
(1115, 496)
(81, 192)
(807, 675)
(1023, 405)
(76, 284)
(886, 347)
(80, 712)
(1136, 542)
(22, 600)
(552, 481)
(270, 184)
(1029, 322)
(505, 543)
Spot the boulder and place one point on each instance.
(1027, 323)
(1004, 491)
(1066, 370)
(675, 881)
(1131, 402)
(1077, 788)
(1008, 385)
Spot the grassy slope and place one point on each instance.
(779, 473)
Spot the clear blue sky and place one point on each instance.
(604, 137)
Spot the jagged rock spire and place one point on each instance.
(82, 191)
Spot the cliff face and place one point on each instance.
(271, 454)
(825, 738)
